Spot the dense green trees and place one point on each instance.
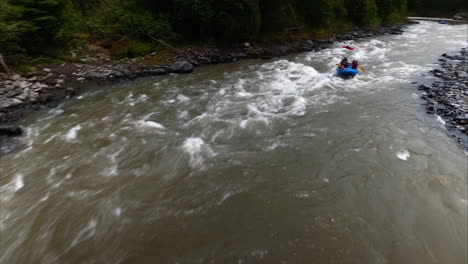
(437, 6)
(35, 26)
(28, 24)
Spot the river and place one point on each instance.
(276, 161)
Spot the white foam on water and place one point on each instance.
(142, 98)
(118, 211)
(226, 196)
(440, 120)
(403, 155)
(3, 218)
(45, 198)
(278, 90)
(19, 183)
(261, 253)
(51, 138)
(183, 98)
(52, 114)
(7, 191)
(254, 120)
(80, 195)
(275, 145)
(86, 233)
(113, 170)
(32, 134)
(149, 124)
(302, 195)
(183, 115)
(72, 133)
(464, 202)
(132, 101)
(196, 148)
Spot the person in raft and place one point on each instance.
(355, 64)
(344, 63)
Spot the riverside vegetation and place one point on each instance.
(51, 28)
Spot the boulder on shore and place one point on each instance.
(182, 67)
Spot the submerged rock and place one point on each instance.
(10, 130)
(8, 145)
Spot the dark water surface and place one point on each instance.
(255, 162)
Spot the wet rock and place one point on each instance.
(423, 87)
(461, 120)
(461, 16)
(182, 67)
(157, 71)
(70, 92)
(15, 77)
(22, 96)
(238, 55)
(461, 74)
(52, 105)
(16, 101)
(430, 109)
(448, 96)
(10, 130)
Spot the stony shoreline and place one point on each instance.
(448, 96)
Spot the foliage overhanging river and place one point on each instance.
(254, 162)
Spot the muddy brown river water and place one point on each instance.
(274, 161)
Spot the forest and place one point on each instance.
(51, 26)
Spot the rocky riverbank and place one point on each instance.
(448, 96)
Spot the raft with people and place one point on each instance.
(346, 69)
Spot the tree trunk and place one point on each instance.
(5, 67)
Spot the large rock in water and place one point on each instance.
(10, 131)
(182, 67)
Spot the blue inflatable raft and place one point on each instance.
(349, 72)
